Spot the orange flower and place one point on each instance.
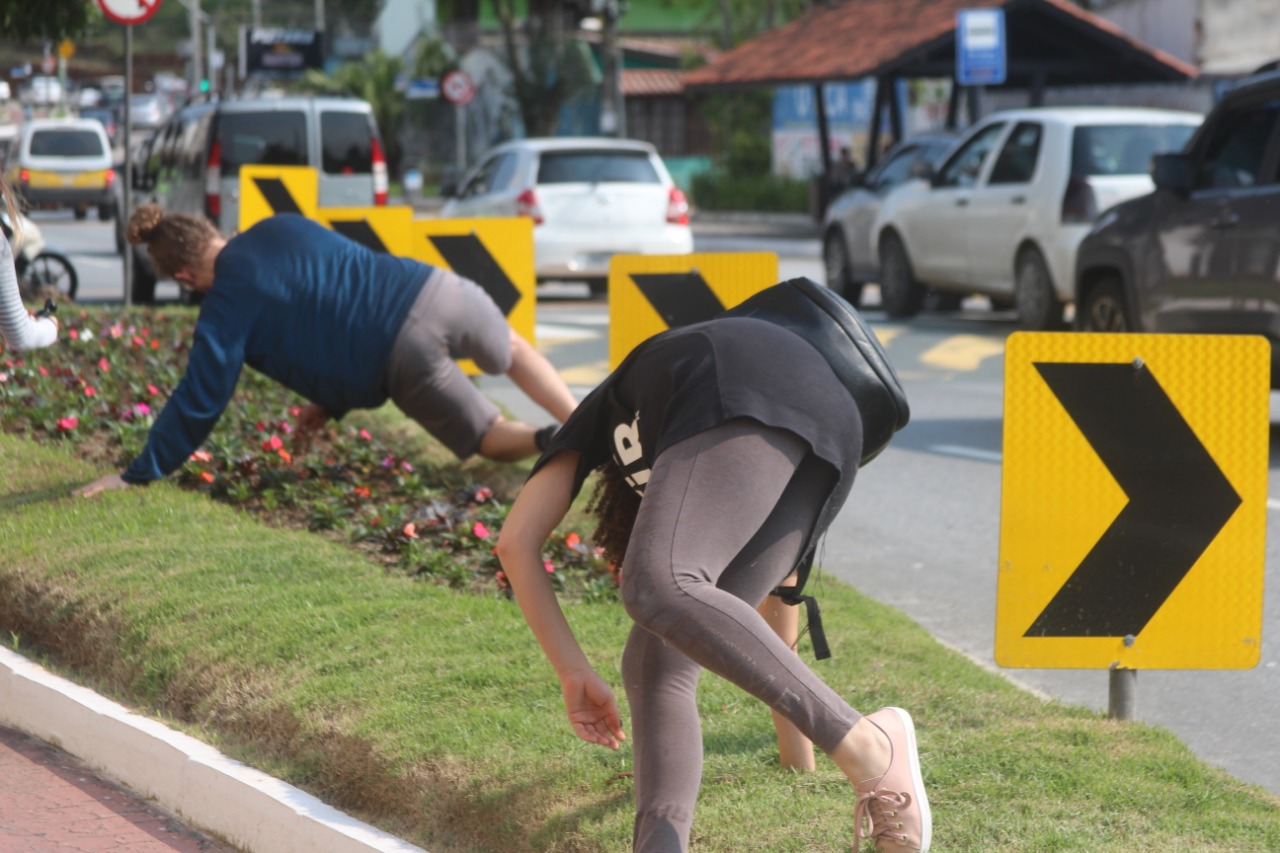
(207, 476)
(361, 491)
(573, 540)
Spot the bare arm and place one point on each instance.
(541, 505)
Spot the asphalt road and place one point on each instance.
(921, 529)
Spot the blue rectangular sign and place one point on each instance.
(980, 47)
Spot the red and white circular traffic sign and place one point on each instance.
(129, 12)
(456, 87)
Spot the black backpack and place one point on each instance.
(836, 329)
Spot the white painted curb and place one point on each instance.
(213, 793)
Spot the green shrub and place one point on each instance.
(762, 192)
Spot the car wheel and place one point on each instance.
(106, 212)
(835, 261)
(1104, 309)
(1039, 308)
(81, 212)
(900, 294)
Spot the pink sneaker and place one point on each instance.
(893, 810)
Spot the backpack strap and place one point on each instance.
(790, 595)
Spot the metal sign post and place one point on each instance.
(128, 13)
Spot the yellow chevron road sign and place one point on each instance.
(268, 190)
(649, 294)
(1133, 501)
(382, 229)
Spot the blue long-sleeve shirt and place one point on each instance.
(299, 303)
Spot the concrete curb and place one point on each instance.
(215, 794)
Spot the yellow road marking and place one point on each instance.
(962, 352)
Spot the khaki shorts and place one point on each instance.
(452, 318)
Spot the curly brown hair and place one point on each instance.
(175, 241)
(614, 504)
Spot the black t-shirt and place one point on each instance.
(690, 379)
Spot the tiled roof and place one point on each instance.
(649, 82)
(860, 38)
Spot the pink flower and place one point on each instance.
(406, 467)
(43, 370)
(74, 334)
(480, 531)
(546, 564)
(152, 390)
(202, 456)
(68, 424)
(411, 530)
(104, 365)
(364, 434)
(389, 462)
(483, 494)
(273, 443)
(90, 391)
(141, 410)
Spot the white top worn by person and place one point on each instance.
(19, 329)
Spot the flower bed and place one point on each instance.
(99, 389)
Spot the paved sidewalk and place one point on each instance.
(51, 803)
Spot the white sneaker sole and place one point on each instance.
(917, 780)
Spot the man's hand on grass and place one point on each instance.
(105, 484)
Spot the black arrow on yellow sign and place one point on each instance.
(277, 195)
(1179, 500)
(467, 256)
(681, 298)
(362, 232)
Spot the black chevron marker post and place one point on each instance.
(1179, 500)
(362, 232)
(681, 299)
(277, 195)
(467, 256)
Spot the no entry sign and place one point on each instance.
(129, 12)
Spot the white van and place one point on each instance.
(192, 162)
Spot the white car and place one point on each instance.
(1003, 213)
(589, 198)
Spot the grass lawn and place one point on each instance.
(431, 712)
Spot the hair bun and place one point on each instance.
(143, 223)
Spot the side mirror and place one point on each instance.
(1172, 172)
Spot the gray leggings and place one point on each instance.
(724, 519)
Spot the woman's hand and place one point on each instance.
(105, 484)
(593, 711)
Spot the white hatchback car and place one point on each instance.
(589, 198)
(1003, 213)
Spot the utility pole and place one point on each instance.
(613, 111)
(197, 68)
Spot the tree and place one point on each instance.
(53, 20)
(373, 80)
(548, 66)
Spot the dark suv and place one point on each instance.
(1202, 252)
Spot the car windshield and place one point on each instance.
(346, 142)
(66, 143)
(270, 138)
(1124, 149)
(565, 167)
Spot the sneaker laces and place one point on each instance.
(873, 817)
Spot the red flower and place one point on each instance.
(90, 391)
(68, 424)
(273, 443)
